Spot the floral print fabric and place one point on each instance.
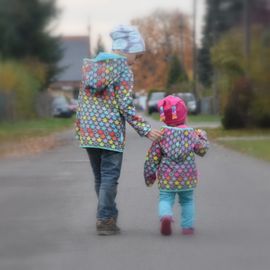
(172, 159)
(105, 103)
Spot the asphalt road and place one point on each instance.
(47, 215)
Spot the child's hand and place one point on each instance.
(200, 133)
(150, 180)
(149, 184)
(154, 134)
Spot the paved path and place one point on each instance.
(47, 209)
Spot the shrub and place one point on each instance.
(237, 113)
(18, 90)
(261, 111)
(243, 82)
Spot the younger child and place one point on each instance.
(172, 161)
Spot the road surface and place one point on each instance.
(47, 215)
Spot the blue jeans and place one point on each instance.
(186, 200)
(106, 167)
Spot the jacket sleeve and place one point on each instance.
(124, 97)
(151, 164)
(201, 145)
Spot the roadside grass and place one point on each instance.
(216, 133)
(257, 148)
(254, 142)
(16, 131)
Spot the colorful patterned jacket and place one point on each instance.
(106, 102)
(172, 159)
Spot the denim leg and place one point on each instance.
(166, 201)
(111, 162)
(186, 200)
(94, 155)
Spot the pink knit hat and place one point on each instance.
(173, 110)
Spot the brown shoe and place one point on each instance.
(107, 227)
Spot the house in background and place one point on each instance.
(68, 81)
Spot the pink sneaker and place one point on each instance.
(165, 228)
(188, 231)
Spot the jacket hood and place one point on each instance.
(182, 145)
(102, 71)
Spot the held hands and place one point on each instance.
(154, 134)
(200, 133)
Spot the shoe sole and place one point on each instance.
(107, 232)
(188, 232)
(166, 227)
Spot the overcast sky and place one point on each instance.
(103, 15)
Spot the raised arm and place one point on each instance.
(201, 145)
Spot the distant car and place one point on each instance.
(140, 102)
(190, 101)
(152, 101)
(61, 107)
(73, 105)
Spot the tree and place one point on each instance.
(166, 33)
(176, 73)
(221, 15)
(100, 46)
(244, 89)
(24, 32)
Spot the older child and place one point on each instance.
(172, 161)
(105, 104)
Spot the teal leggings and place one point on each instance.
(186, 200)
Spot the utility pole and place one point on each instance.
(215, 72)
(194, 62)
(90, 40)
(247, 29)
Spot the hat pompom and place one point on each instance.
(174, 115)
(162, 115)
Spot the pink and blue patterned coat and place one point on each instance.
(172, 159)
(106, 102)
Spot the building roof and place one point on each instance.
(75, 49)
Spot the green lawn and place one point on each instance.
(215, 133)
(256, 148)
(247, 141)
(10, 131)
